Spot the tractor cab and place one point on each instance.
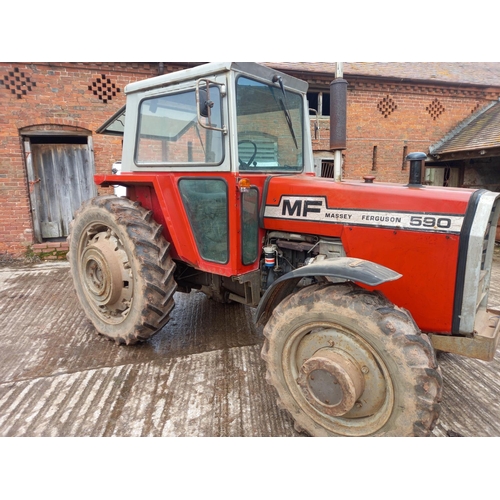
(218, 117)
(200, 143)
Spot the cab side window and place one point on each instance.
(169, 132)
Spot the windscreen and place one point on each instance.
(270, 127)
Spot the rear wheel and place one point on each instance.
(121, 268)
(346, 362)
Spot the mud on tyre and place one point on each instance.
(121, 268)
(347, 362)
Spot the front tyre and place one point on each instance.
(347, 362)
(121, 268)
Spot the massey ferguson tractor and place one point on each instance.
(356, 284)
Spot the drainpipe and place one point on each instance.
(338, 118)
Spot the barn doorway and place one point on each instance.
(60, 170)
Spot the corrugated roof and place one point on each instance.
(474, 73)
(483, 132)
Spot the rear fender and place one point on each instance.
(346, 268)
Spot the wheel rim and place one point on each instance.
(105, 273)
(338, 379)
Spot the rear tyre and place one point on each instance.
(121, 268)
(347, 362)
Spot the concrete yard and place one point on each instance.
(202, 375)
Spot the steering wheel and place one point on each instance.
(254, 154)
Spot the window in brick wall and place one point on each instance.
(405, 154)
(328, 168)
(374, 158)
(325, 167)
(319, 101)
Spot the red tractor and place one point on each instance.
(356, 284)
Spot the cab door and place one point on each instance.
(206, 203)
(223, 218)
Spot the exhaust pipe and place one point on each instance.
(338, 118)
(338, 114)
(416, 168)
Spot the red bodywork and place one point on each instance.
(426, 259)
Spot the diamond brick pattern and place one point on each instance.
(387, 106)
(435, 109)
(104, 89)
(18, 83)
(475, 108)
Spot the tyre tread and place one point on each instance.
(395, 322)
(154, 261)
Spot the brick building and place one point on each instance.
(49, 149)
(397, 108)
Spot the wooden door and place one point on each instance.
(61, 178)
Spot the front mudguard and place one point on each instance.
(346, 268)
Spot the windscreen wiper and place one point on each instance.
(284, 105)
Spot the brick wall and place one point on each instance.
(70, 96)
(385, 122)
(81, 96)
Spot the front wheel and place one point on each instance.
(346, 362)
(121, 268)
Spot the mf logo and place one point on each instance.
(315, 209)
(301, 208)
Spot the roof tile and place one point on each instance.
(475, 73)
(481, 133)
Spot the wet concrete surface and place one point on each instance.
(202, 375)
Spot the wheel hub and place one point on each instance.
(331, 381)
(102, 271)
